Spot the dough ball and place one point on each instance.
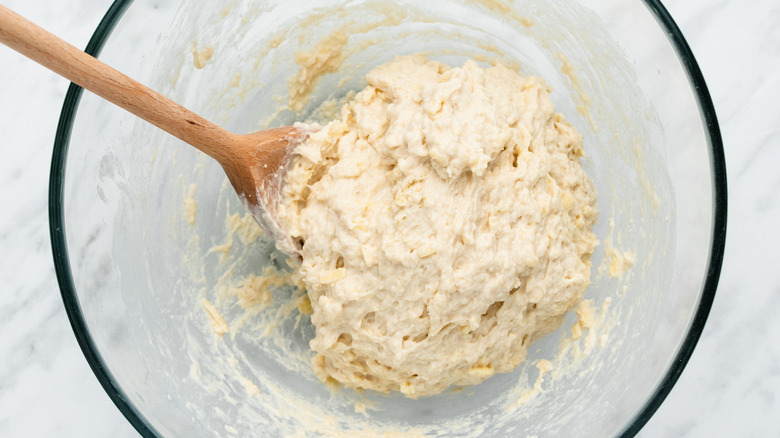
(446, 225)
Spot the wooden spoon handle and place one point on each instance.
(62, 58)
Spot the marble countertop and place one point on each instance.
(731, 386)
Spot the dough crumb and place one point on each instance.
(583, 108)
(244, 226)
(254, 291)
(304, 305)
(619, 261)
(251, 292)
(323, 59)
(190, 205)
(360, 408)
(543, 367)
(250, 387)
(616, 262)
(585, 318)
(591, 329)
(497, 6)
(218, 324)
(200, 58)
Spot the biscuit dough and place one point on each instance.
(445, 223)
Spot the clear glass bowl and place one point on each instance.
(135, 269)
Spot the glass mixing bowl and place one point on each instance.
(147, 236)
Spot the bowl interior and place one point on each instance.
(158, 244)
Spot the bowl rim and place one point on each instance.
(144, 427)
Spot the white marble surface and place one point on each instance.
(731, 386)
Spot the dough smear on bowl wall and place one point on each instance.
(447, 216)
(445, 223)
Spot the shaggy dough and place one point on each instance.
(446, 224)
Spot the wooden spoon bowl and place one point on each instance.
(253, 162)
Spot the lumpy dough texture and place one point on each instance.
(446, 224)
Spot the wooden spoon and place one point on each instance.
(252, 162)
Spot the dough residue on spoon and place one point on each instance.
(445, 223)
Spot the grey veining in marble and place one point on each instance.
(731, 387)
(46, 385)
